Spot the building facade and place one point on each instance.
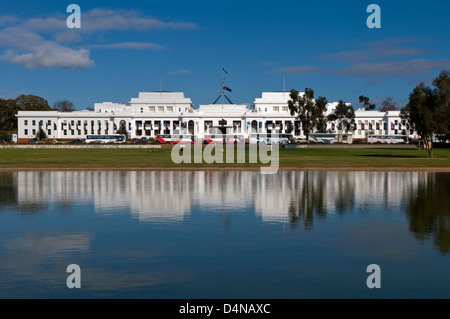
(154, 113)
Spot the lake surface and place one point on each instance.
(236, 235)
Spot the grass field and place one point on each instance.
(161, 159)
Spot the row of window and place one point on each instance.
(276, 109)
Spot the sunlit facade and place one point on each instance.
(153, 113)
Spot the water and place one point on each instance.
(224, 234)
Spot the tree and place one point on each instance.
(8, 120)
(31, 103)
(10, 107)
(388, 105)
(309, 112)
(442, 100)
(41, 135)
(365, 101)
(64, 106)
(425, 111)
(428, 110)
(344, 115)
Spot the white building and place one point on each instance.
(154, 113)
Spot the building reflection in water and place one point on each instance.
(286, 197)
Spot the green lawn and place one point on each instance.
(348, 157)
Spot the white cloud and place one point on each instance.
(44, 42)
(32, 51)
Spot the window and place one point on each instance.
(25, 132)
(265, 110)
(79, 132)
(25, 122)
(49, 122)
(284, 108)
(49, 132)
(179, 109)
(160, 108)
(276, 108)
(72, 132)
(396, 122)
(33, 123)
(65, 132)
(152, 109)
(142, 110)
(72, 122)
(170, 109)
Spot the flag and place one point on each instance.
(70, 127)
(115, 126)
(129, 126)
(54, 126)
(223, 69)
(46, 125)
(370, 126)
(392, 126)
(226, 88)
(332, 126)
(362, 126)
(385, 126)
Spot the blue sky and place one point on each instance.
(123, 48)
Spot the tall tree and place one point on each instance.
(64, 106)
(309, 112)
(366, 102)
(31, 103)
(442, 100)
(388, 105)
(428, 110)
(344, 115)
(9, 109)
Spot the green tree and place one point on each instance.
(366, 102)
(10, 107)
(8, 111)
(31, 103)
(428, 110)
(442, 100)
(344, 115)
(41, 135)
(309, 112)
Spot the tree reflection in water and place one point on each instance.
(311, 199)
(428, 210)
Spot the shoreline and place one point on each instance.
(221, 168)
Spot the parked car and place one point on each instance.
(33, 141)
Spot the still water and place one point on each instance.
(224, 234)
